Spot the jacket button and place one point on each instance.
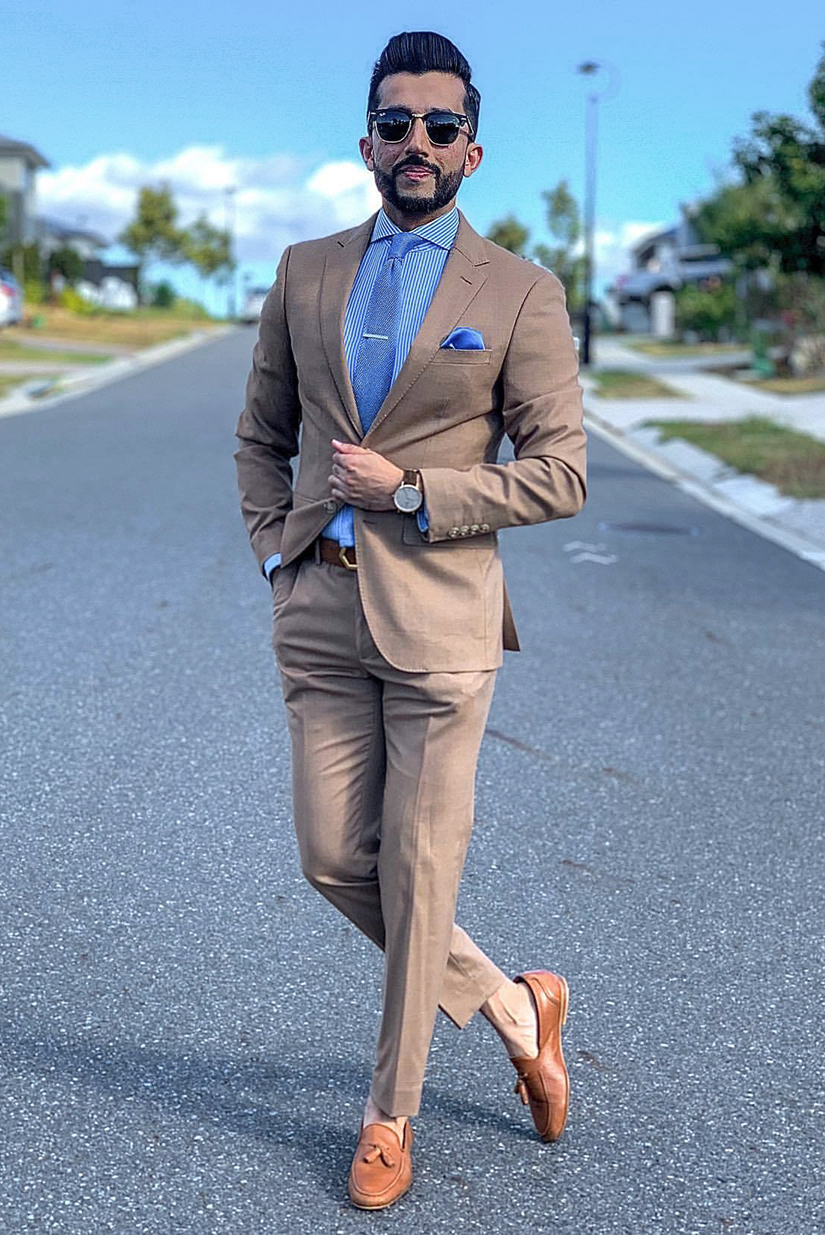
(454, 531)
(465, 530)
(475, 527)
(484, 527)
(329, 505)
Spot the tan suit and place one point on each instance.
(388, 671)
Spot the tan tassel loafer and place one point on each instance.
(381, 1170)
(543, 1081)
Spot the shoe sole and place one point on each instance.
(381, 1204)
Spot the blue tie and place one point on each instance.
(372, 377)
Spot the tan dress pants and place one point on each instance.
(383, 779)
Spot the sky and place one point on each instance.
(270, 99)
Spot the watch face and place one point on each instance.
(408, 498)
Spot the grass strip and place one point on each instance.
(10, 349)
(651, 348)
(792, 461)
(10, 381)
(625, 384)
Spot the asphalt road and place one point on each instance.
(187, 1027)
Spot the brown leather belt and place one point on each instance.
(338, 555)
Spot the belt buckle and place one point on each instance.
(344, 561)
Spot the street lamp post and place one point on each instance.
(230, 227)
(589, 67)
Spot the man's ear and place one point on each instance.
(365, 146)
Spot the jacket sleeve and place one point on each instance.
(267, 429)
(542, 411)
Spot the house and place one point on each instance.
(51, 234)
(19, 163)
(112, 287)
(661, 263)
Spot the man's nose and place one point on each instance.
(418, 139)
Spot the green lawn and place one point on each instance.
(657, 347)
(792, 461)
(791, 385)
(624, 384)
(10, 349)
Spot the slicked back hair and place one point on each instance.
(423, 51)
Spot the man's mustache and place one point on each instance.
(425, 166)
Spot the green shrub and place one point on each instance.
(163, 295)
(706, 311)
(34, 292)
(72, 300)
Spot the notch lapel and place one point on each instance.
(340, 268)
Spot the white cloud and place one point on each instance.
(280, 198)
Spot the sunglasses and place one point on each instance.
(392, 124)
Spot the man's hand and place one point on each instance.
(362, 477)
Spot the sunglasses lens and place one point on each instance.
(393, 126)
(442, 128)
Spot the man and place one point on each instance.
(405, 348)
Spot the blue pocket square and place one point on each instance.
(464, 337)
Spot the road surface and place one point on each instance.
(187, 1027)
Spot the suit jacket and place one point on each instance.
(434, 601)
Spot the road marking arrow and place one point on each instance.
(604, 559)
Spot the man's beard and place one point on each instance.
(445, 188)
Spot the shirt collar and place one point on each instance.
(441, 231)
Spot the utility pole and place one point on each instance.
(230, 227)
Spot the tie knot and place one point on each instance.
(402, 242)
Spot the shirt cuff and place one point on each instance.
(422, 517)
(270, 563)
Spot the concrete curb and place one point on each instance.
(81, 383)
(746, 500)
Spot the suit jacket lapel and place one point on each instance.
(340, 268)
(461, 278)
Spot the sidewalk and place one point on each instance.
(798, 524)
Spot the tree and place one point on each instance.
(771, 220)
(208, 248)
(510, 234)
(68, 262)
(564, 225)
(773, 217)
(154, 233)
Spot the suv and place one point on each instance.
(253, 303)
(11, 298)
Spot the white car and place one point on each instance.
(11, 298)
(253, 303)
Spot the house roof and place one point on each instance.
(9, 145)
(663, 233)
(65, 231)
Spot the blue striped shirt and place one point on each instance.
(420, 273)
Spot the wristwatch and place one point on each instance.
(408, 496)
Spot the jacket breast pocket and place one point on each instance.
(463, 356)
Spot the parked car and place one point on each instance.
(11, 299)
(253, 303)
